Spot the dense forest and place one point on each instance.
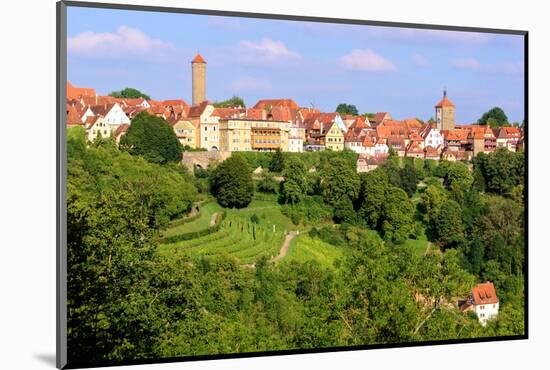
(127, 301)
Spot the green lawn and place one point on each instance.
(304, 248)
(206, 212)
(419, 245)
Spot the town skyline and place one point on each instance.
(370, 67)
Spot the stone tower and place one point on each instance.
(445, 113)
(198, 67)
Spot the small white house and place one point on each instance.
(483, 301)
(432, 137)
(113, 115)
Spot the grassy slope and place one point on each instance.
(304, 248)
(198, 224)
(419, 245)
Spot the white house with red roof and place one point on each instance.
(432, 136)
(483, 301)
(113, 114)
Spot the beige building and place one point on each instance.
(97, 126)
(241, 134)
(445, 114)
(198, 67)
(334, 138)
(185, 131)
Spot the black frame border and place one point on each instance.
(61, 175)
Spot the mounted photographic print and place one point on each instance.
(238, 184)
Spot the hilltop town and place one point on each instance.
(282, 124)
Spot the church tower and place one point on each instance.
(198, 67)
(445, 114)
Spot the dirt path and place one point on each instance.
(213, 218)
(286, 243)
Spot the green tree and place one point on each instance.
(267, 185)
(233, 102)
(344, 109)
(371, 199)
(232, 183)
(458, 176)
(277, 162)
(502, 170)
(295, 185)
(339, 179)
(409, 178)
(344, 212)
(116, 204)
(398, 215)
(153, 138)
(448, 224)
(498, 116)
(129, 93)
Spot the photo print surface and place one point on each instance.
(241, 185)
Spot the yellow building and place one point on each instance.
(240, 134)
(185, 131)
(334, 138)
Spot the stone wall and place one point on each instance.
(203, 159)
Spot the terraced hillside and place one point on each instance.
(246, 234)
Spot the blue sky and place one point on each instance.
(402, 71)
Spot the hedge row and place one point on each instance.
(196, 234)
(184, 220)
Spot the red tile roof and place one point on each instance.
(431, 152)
(198, 59)
(264, 103)
(122, 129)
(455, 135)
(133, 101)
(445, 102)
(367, 142)
(414, 148)
(74, 92)
(380, 116)
(174, 102)
(195, 111)
(73, 118)
(484, 294)
(360, 122)
(101, 109)
(257, 114)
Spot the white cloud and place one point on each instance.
(125, 41)
(420, 60)
(466, 63)
(250, 84)
(472, 64)
(265, 51)
(366, 60)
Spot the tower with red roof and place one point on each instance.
(445, 113)
(198, 68)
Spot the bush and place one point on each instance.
(267, 185)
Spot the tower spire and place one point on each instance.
(445, 92)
